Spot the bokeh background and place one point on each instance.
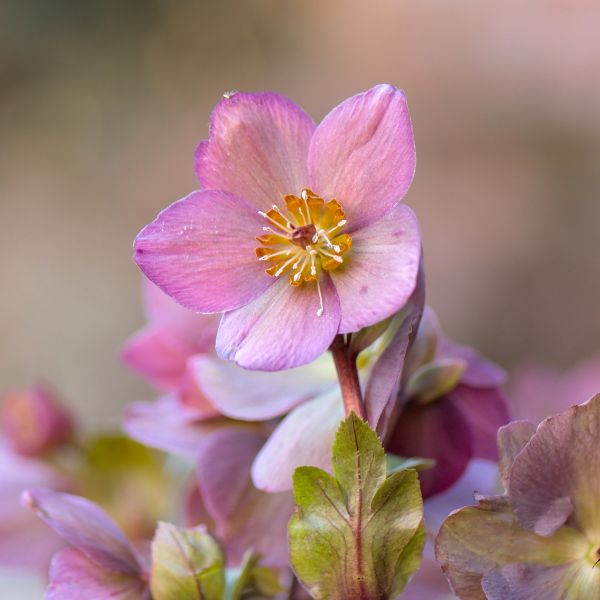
(102, 104)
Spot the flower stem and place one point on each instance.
(345, 364)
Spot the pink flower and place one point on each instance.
(101, 562)
(298, 233)
(33, 421)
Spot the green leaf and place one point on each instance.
(399, 463)
(251, 580)
(187, 564)
(356, 535)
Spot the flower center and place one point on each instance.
(304, 240)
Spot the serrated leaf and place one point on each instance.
(355, 535)
(187, 564)
(252, 580)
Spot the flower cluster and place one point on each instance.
(293, 470)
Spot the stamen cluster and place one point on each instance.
(304, 240)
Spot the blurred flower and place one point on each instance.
(537, 391)
(541, 539)
(33, 421)
(101, 562)
(350, 261)
(24, 541)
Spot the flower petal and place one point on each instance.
(168, 426)
(557, 473)
(304, 437)
(438, 431)
(281, 328)
(485, 410)
(474, 540)
(257, 396)
(244, 516)
(381, 272)
(363, 154)
(522, 581)
(157, 355)
(195, 330)
(257, 148)
(200, 251)
(382, 388)
(512, 438)
(87, 527)
(73, 576)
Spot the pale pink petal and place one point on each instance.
(363, 154)
(281, 329)
(255, 395)
(157, 355)
(304, 437)
(244, 516)
(381, 271)
(168, 426)
(73, 576)
(512, 438)
(257, 148)
(200, 251)
(192, 398)
(195, 330)
(86, 526)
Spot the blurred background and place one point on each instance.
(102, 104)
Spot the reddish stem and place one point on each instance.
(345, 364)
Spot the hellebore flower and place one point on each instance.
(100, 562)
(33, 421)
(537, 392)
(541, 539)
(297, 233)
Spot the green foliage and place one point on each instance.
(187, 564)
(356, 535)
(252, 580)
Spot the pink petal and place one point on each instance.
(87, 527)
(512, 438)
(195, 330)
(479, 372)
(73, 576)
(381, 271)
(257, 148)
(555, 476)
(168, 426)
(256, 396)
(245, 517)
(200, 251)
(485, 410)
(304, 437)
(157, 355)
(363, 154)
(281, 328)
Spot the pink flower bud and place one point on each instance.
(33, 421)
